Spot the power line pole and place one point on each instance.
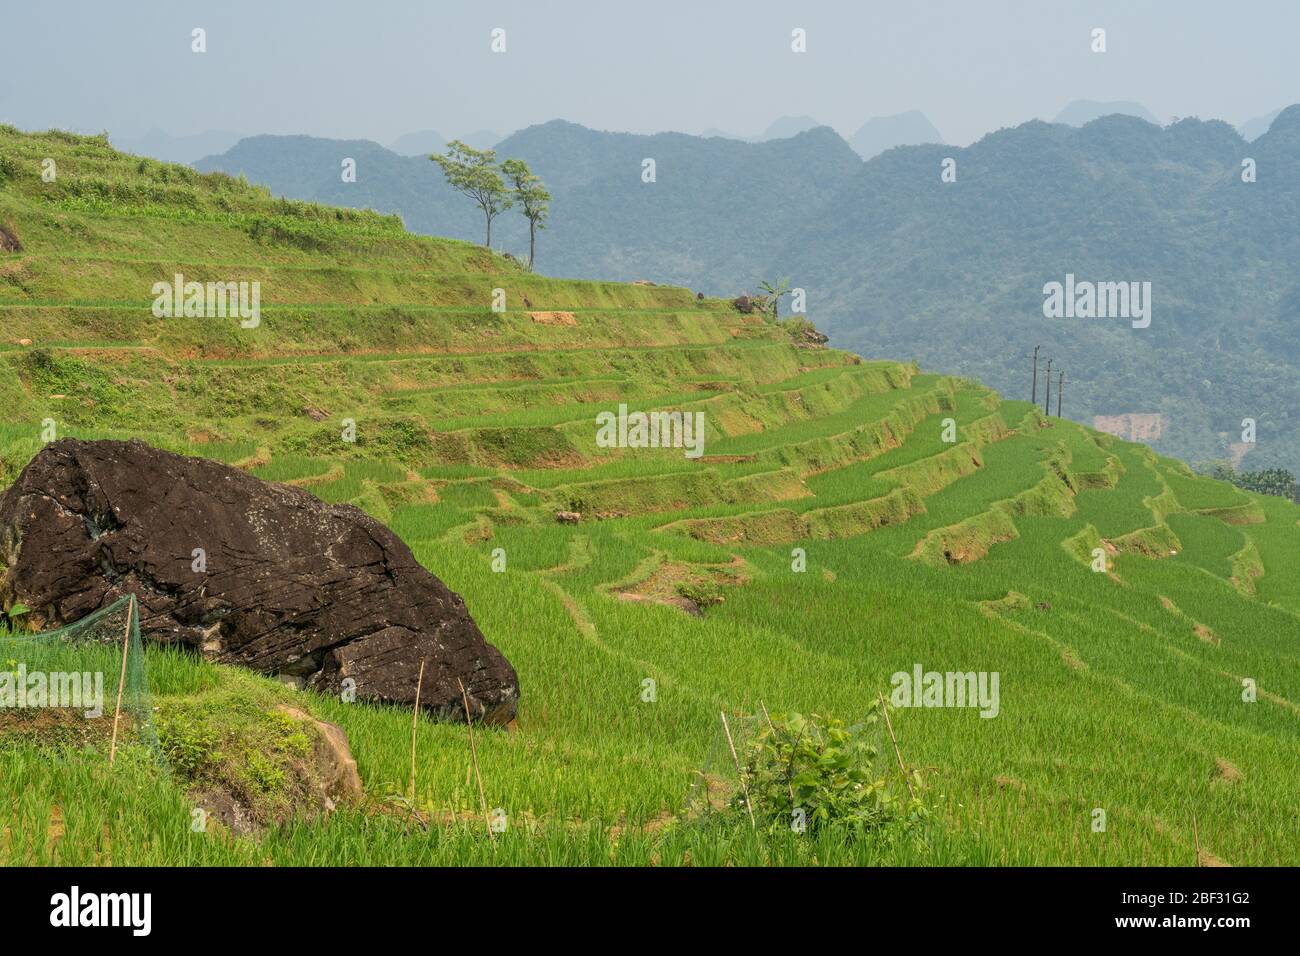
(1060, 387)
(1047, 405)
(1034, 394)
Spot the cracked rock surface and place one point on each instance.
(244, 571)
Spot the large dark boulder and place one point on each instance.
(284, 583)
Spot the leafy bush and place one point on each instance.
(1270, 481)
(8, 168)
(190, 744)
(830, 772)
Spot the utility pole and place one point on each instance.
(1047, 405)
(1060, 386)
(1034, 394)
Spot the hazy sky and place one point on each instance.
(378, 68)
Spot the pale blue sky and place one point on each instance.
(380, 68)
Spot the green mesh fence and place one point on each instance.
(61, 688)
(717, 784)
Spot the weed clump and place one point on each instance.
(815, 773)
(702, 593)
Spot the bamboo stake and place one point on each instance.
(736, 760)
(121, 679)
(897, 753)
(415, 717)
(473, 753)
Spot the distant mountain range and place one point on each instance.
(885, 132)
(1082, 112)
(898, 263)
(872, 138)
(1253, 129)
(605, 220)
(783, 127)
(427, 141)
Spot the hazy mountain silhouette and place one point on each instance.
(885, 132)
(717, 208)
(1085, 111)
(783, 127)
(420, 143)
(1253, 129)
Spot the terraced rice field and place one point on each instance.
(856, 517)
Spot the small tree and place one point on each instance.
(775, 290)
(531, 196)
(474, 173)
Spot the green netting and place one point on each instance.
(60, 688)
(716, 784)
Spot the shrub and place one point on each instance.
(1272, 481)
(189, 743)
(830, 772)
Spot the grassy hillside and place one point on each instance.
(1120, 690)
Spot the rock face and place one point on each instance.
(339, 781)
(245, 571)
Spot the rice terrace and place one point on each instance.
(627, 498)
(848, 520)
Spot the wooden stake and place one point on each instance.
(121, 679)
(473, 753)
(736, 760)
(415, 717)
(766, 716)
(897, 753)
